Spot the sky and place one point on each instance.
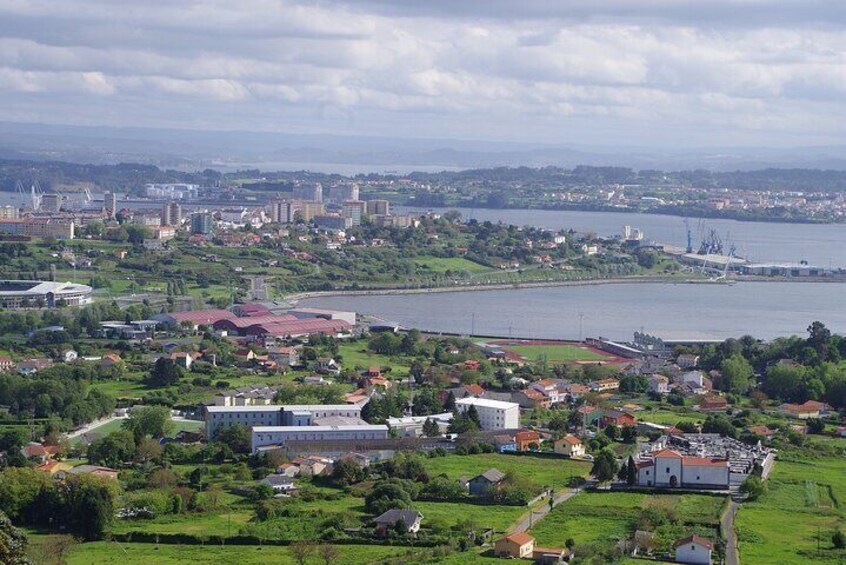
(647, 73)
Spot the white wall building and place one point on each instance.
(669, 469)
(278, 435)
(290, 415)
(694, 549)
(493, 414)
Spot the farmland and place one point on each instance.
(795, 519)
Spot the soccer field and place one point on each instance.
(555, 353)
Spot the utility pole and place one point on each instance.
(581, 319)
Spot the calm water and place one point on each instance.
(672, 311)
(819, 244)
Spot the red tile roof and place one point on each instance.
(668, 453)
(520, 538)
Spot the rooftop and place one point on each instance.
(486, 403)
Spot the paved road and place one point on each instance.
(727, 525)
(533, 516)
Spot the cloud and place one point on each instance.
(610, 71)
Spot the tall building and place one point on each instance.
(378, 207)
(343, 192)
(110, 204)
(493, 414)
(312, 191)
(278, 211)
(354, 210)
(171, 214)
(51, 202)
(308, 210)
(201, 223)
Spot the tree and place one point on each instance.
(815, 425)
(784, 381)
(301, 552)
(113, 449)
(347, 472)
(473, 416)
(149, 421)
(236, 436)
(753, 487)
(13, 543)
(89, 505)
(631, 472)
(628, 434)
(165, 373)
(385, 495)
(329, 554)
(838, 540)
(736, 374)
(604, 466)
(431, 428)
(719, 424)
(818, 337)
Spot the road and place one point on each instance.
(727, 525)
(533, 516)
(92, 426)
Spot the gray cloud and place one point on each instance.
(656, 72)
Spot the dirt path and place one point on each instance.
(727, 525)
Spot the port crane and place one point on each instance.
(33, 195)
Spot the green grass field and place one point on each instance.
(669, 417)
(795, 519)
(540, 471)
(555, 353)
(605, 518)
(356, 354)
(454, 264)
(143, 554)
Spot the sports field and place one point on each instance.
(553, 352)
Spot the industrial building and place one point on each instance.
(30, 294)
(218, 417)
(493, 414)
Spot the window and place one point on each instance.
(668, 469)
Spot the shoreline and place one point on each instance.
(296, 297)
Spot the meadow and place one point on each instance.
(539, 471)
(453, 264)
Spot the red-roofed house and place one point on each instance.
(713, 403)
(531, 398)
(804, 411)
(569, 445)
(515, 546)
(527, 440)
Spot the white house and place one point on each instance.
(569, 445)
(279, 483)
(694, 549)
(493, 414)
(658, 384)
(411, 519)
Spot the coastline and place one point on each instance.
(297, 296)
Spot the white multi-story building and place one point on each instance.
(493, 414)
(279, 435)
(218, 417)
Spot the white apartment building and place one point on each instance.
(493, 414)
